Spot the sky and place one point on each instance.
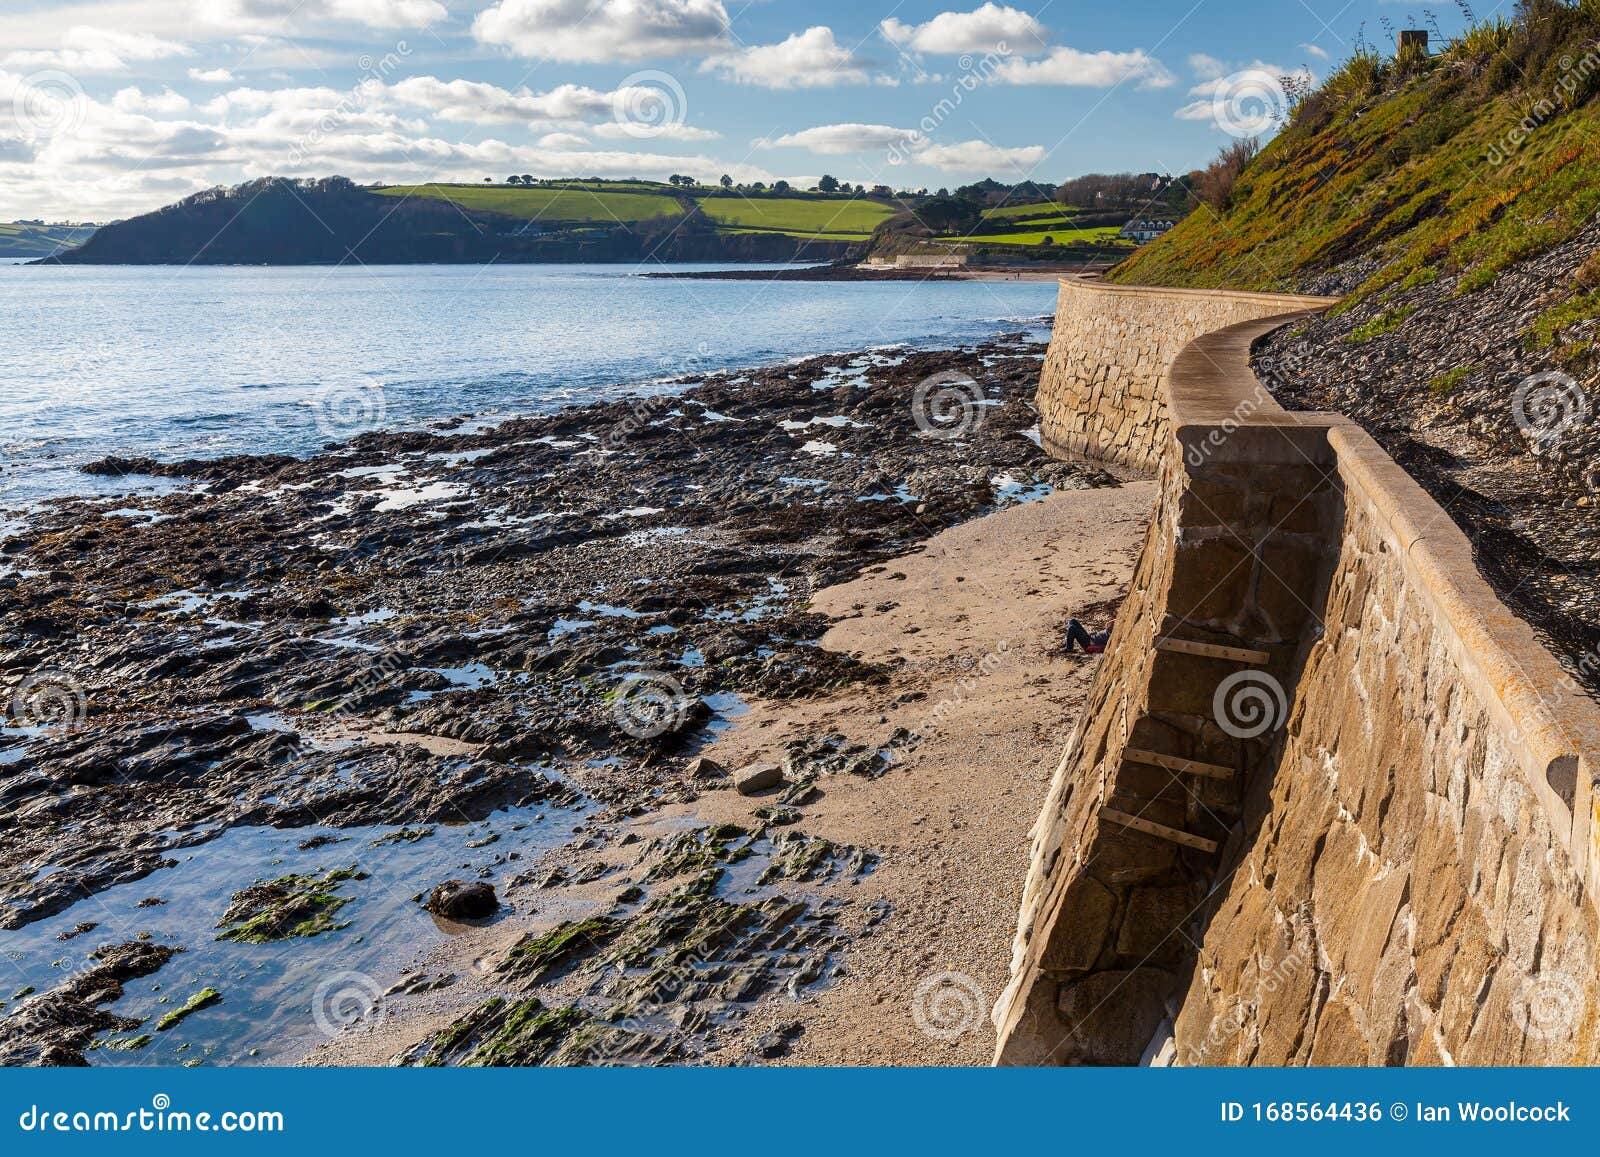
(110, 108)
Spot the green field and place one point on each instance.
(828, 236)
(18, 240)
(799, 216)
(1099, 235)
(571, 203)
(1038, 209)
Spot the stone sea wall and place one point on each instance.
(1329, 802)
(1099, 394)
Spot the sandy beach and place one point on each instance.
(971, 625)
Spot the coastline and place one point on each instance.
(393, 659)
(860, 274)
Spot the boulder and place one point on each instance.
(757, 777)
(458, 900)
(702, 767)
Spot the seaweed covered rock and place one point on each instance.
(287, 907)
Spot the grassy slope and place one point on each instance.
(805, 215)
(1401, 173)
(1044, 209)
(572, 203)
(834, 218)
(1100, 235)
(18, 240)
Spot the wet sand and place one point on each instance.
(971, 626)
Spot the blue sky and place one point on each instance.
(112, 107)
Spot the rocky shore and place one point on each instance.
(455, 675)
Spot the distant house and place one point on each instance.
(1145, 230)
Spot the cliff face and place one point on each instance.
(1330, 802)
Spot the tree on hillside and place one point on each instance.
(948, 215)
(514, 179)
(726, 181)
(780, 186)
(759, 186)
(828, 184)
(527, 178)
(1214, 184)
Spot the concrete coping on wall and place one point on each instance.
(1283, 301)
(1219, 409)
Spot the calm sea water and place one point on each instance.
(199, 362)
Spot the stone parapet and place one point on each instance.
(1099, 393)
(1329, 800)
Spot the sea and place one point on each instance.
(173, 362)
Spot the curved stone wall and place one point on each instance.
(1099, 393)
(1389, 861)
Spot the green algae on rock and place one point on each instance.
(534, 957)
(205, 998)
(285, 908)
(698, 849)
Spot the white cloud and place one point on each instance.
(1102, 69)
(567, 106)
(1316, 50)
(388, 13)
(166, 102)
(616, 130)
(473, 102)
(87, 49)
(842, 139)
(809, 59)
(908, 146)
(290, 16)
(136, 151)
(211, 75)
(1251, 96)
(979, 156)
(603, 30)
(990, 28)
